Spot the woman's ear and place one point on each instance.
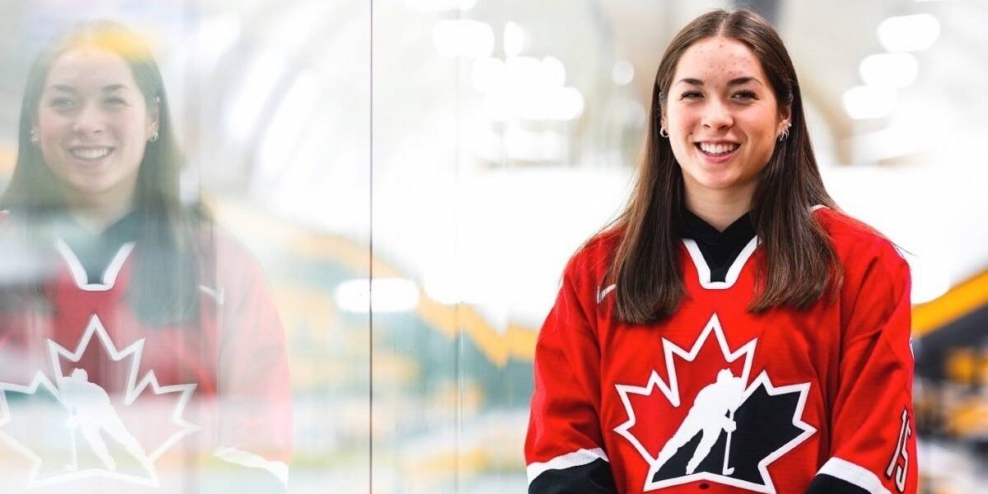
(785, 118)
(154, 116)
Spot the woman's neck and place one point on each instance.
(97, 216)
(718, 210)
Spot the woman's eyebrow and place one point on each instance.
(740, 81)
(62, 87)
(737, 81)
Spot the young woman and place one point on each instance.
(141, 351)
(732, 331)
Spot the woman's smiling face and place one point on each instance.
(722, 117)
(93, 124)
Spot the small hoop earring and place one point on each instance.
(663, 133)
(784, 135)
(154, 137)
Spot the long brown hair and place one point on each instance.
(164, 290)
(800, 263)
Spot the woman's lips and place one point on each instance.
(91, 156)
(717, 153)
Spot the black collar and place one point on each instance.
(719, 248)
(96, 250)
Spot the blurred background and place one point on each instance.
(448, 156)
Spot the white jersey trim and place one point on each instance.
(574, 459)
(79, 272)
(247, 459)
(854, 474)
(732, 273)
(602, 292)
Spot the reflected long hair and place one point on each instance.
(799, 260)
(164, 281)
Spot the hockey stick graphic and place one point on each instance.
(727, 449)
(74, 465)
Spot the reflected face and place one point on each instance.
(93, 124)
(722, 117)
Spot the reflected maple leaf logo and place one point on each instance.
(55, 419)
(765, 419)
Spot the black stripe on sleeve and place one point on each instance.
(826, 484)
(593, 478)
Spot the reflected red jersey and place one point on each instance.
(717, 399)
(94, 400)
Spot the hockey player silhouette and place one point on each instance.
(713, 410)
(93, 413)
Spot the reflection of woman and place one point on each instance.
(731, 262)
(110, 276)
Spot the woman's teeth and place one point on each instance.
(90, 154)
(718, 148)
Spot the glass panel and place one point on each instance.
(501, 142)
(201, 330)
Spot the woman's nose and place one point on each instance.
(89, 120)
(717, 115)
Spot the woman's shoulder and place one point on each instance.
(856, 243)
(591, 261)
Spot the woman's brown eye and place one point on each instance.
(62, 103)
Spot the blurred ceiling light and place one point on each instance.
(565, 104)
(527, 88)
(440, 5)
(524, 73)
(622, 73)
(514, 39)
(487, 74)
(929, 280)
(463, 38)
(527, 145)
(909, 32)
(892, 70)
(864, 102)
(561, 103)
(553, 72)
(381, 295)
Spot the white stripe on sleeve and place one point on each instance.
(574, 459)
(855, 474)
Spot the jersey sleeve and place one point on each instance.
(873, 433)
(254, 392)
(564, 449)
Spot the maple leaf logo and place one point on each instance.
(729, 410)
(60, 425)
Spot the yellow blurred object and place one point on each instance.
(8, 158)
(958, 302)
(960, 365)
(969, 420)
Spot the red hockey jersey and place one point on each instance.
(93, 400)
(719, 399)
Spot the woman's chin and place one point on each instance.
(715, 182)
